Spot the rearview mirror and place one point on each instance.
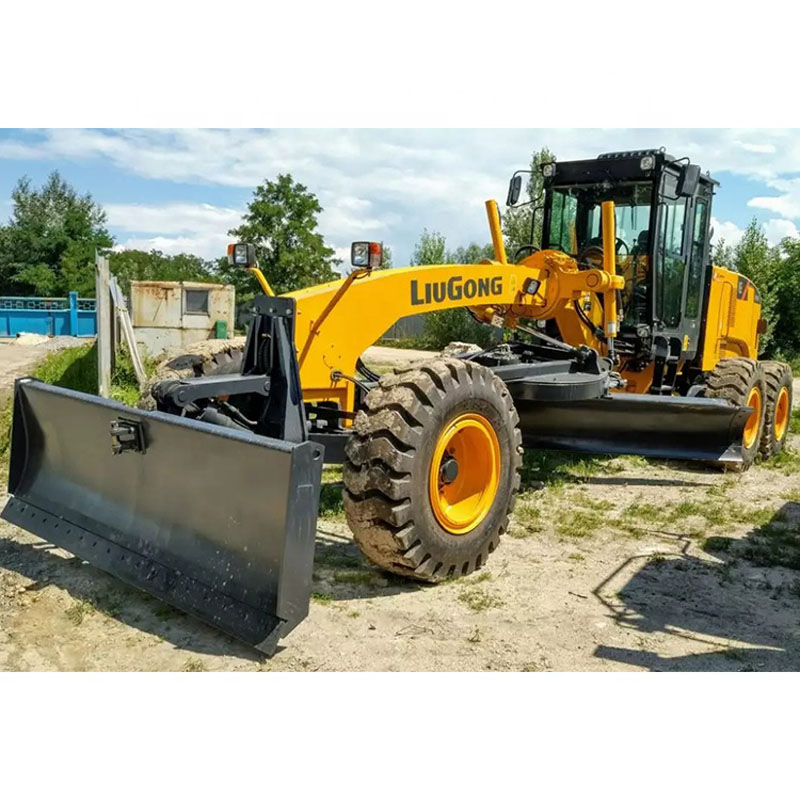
(688, 180)
(514, 189)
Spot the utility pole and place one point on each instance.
(103, 299)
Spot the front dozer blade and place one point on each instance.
(657, 427)
(218, 522)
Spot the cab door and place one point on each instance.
(671, 257)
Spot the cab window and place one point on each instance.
(694, 288)
(672, 266)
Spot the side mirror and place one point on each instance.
(688, 180)
(514, 189)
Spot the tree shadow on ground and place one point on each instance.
(742, 607)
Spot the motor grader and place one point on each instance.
(614, 334)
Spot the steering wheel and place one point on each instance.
(592, 249)
(526, 247)
(596, 248)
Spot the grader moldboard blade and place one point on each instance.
(696, 428)
(216, 521)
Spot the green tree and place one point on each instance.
(786, 333)
(281, 221)
(723, 254)
(430, 249)
(754, 258)
(137, 265)
(516, 222)
(453, 324)
(471, 254)
(49, 244)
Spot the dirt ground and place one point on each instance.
(19, 356)
(610, 564)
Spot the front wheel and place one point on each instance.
(432, 469)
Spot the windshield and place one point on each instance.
(576, 228)
(575, 217)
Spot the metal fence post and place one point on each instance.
(103, 299)
(73, 313)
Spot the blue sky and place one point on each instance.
(181, 190)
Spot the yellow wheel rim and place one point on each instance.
(464, 473)
(782, 413)
(753, 424)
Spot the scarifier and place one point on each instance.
(615, 334)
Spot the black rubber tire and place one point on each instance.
(388, 460)
(733, 379)
(778, 375)
(226, 362)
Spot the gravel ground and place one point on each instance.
(618, 564)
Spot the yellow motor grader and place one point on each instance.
(614, 334)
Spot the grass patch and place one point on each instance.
(579, 523)
(787, 461)
(477, 598)
(331, 501)
(556, 468)
(774, 545)
(794, 421)
(576, 557)
(334, 559)
(355, 578)
(6, 412)
(194, 665)
(595, 505)
(79, 610)
(322, 599)
(76, 368)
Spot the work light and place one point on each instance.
(366, 254)
(648, 162)
(548, 170)
(242, 255)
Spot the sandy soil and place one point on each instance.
(18, 359)
(594, 574)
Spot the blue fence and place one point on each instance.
(51, 316)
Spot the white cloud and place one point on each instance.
(729, 231)
(173, 217)
(175, 227)
(777, 229)
(209, 246)
(774, 230)
(787, 203)
(244, 157)
(388, 183)
(752, 147)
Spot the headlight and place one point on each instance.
(648, 162)
(548, 170)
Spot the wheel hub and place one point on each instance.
(782, 413)
(464, 473)
(754, 422)
(448, 472)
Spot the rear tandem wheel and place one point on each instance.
(778, 407)
(432, 469)
(742, 381)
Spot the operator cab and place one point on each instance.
(662, 210)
